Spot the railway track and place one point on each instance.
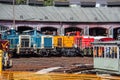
(74, 69)
(68, 64)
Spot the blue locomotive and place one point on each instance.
(13, 36)
(39, 44)
(30, 42)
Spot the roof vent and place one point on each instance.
(74, 3)
(71, 18)
(46, 17)
(101, 3)
(21, 16)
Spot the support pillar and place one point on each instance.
(110, 32)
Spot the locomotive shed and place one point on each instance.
(101, 21)
(95, 21)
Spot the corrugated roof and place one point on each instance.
(87, 0)
(95, 0)
(113, 0)
(65, 0)
(63, 14)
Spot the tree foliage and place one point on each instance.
(20, 1)
(48, 2)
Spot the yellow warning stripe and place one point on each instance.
(4, 45)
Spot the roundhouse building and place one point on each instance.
(93, 21)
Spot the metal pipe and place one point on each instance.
(14, 15)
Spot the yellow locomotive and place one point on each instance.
(66, 47)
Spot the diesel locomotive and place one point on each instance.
(30, 42)
(33, 42)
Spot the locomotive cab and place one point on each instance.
(24, 44)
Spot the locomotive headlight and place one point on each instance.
(75, 45)
(18, 45)
(34, 46)
(6, 46)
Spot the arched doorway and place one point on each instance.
(23, 28)
(116, 32)
(49, 30)
(98, 31)
(3, 28)
(72, 29)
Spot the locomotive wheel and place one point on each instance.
(14, 54)
(40, 53)
(44, 53)
(5, 63)
(10, 55)
(9, 63)
(58, 54)
(64, 54)
(72, 54)
(81, 53)
(69, 53)
(5, 60)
